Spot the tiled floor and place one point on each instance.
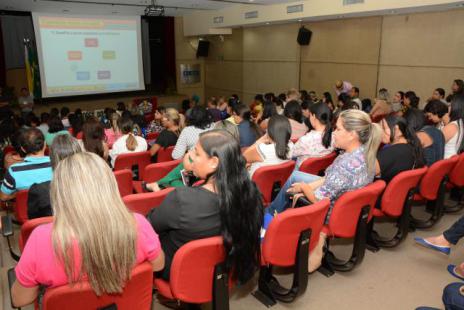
(401, 278)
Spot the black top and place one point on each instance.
(166, 138)
(38, 201)
(394, 159)
(188, 213)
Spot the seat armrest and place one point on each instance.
(11, 279)
(7, 226)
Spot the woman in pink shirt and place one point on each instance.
(93, 236)
(294, 114)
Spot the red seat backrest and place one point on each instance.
(165, 154)
(346, 210)
(152, 136)
(8, 149)
(157, 171)
(20, 209)
(29, 226)
(143, 203)
(282, 236)
(457, 174)
(137, 294)
(431, 181)
(124, 180)
(266, 176)
(397, 191)
(127, 160)
(192, 269)
(317, 164)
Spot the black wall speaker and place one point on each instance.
(304, 36)
(203, 47)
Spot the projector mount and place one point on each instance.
(154, 9)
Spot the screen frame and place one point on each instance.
(38, 37)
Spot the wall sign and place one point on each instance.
(190, 74)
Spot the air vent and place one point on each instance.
(252, 14)
(350, 2)
(218, 19)
(294, 8)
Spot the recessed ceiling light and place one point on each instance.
(300, 20)
(267, 23)
(392, 12)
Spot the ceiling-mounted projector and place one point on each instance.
(154, 9)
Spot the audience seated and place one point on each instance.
(36, 167)
(295, 115)
(248, 130)
(411, 101)
(55, 128)
(327, 99)
(228, 204)
(454, 131)
(64, 113)
(168, 137)
(128, 142)
(199, 121)
(272, 148)
(402, 149)
(438, 94)
(212, 105)
(38, 202)
(382, 105)
(84, 197)
(355, 168)
(93, 138)
(354, 95)
(269, 110)
(44, 117)
(17, 156)
(437, 113)
(76, 122)
(397, 102)
(431, 138)
(318, 142)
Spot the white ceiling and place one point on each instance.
(124, 7)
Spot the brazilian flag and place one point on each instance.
(32, 69)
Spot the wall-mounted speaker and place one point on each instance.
(203, 48)
(304, 36)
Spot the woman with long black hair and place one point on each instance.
(228, 204)
(248, 130)
(317, 142)
(402, 151)
(454, 130)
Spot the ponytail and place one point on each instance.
(127, 127)
(372, 146)
(324, 115)
(131, 142)
(327, 136)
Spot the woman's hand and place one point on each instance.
(297, 187)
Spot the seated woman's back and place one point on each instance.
(129, 142)
(228, 204)
(454, 130)
(402, 150)
(86, 233)
(273, 148)
(318, 142)
(295, 115)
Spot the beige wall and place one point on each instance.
(402, 52)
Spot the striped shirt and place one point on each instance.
(21, 176)
(187, 139)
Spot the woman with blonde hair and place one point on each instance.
(129, 142)
(359, 138)
(168, 137)
(93, 235)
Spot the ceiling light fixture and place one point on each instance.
(154, 9)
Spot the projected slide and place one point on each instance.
(88, 55)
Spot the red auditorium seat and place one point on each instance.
(155, 172)
(289, 238)
(197, 274)
(124, 180)
(8, 149)
(317, 165)
(26, 230)
(267, 177)
(432, 190)
(128, 160)
(396, 202)
(165, 154)
(137, 294)
(143, 203)
(20, 206)
(152, 136)
(349, 219)
(456, 179)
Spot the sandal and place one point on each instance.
(452, 270)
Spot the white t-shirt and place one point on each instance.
(119, 147)
(451, 147)
(269, 156)
(310, 146)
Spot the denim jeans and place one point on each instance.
(455, 232)
(452, 298)
(281, 202)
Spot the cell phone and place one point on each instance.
(186, 177)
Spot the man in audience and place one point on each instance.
(44, 117)
(36, 167)
(343, 87)
(64, 117)
(26, 102)
(438, 94)
(354, 95)
(213, 110)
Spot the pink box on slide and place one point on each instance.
(91, 42)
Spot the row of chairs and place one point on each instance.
(292, 235)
